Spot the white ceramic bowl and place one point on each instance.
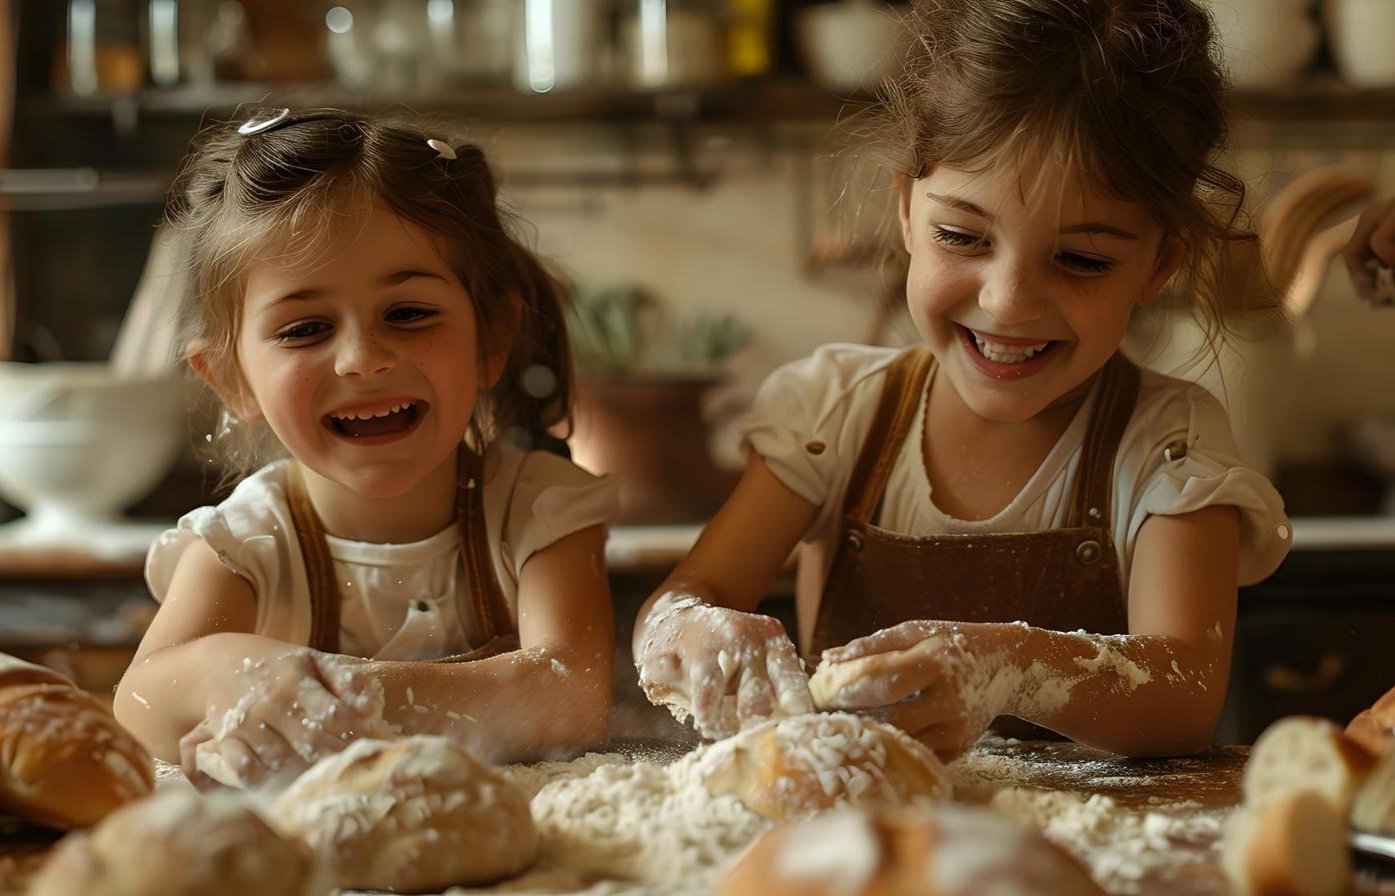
(1266, 42)
(78, 445)
(848, 45)
(1363, 40)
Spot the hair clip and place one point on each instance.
(258, 125)
(443, 149)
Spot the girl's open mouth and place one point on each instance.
(382, 425)
(1004, 361)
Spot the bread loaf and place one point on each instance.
(413, 815)
(943, 850)
(1293, 845)
(790, 767)
(181, 844)
(65, 762)
(1306, 753)
(1373, 809)
(1375, 727)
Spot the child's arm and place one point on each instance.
(552, 695)
(697, 644)
(198, 661)
(1156, 691)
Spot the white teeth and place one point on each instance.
(1008, 354)
(392, 410)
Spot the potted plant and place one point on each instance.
(643, 376)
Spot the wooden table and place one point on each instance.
(1143, 826)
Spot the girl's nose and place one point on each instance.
(362, 353)
(1012, 296)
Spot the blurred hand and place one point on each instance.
(278, 712)
(1371, 249)
(942, 683)
(725, 668)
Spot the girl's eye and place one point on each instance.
(955, 238)
(1085, 263)
(301, 331)
(408, 314)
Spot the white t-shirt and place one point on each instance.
(831, 396)
(399, 601)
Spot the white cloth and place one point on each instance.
(831, 396)
(399, 601)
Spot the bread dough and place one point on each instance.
(179, 843)
(939, 850)
(418, 814)
(790, 767)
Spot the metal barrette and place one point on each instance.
(443, 149)
(258, 125)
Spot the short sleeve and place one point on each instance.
(248, 533)
(810, 416)
(1170, 482)
(553, 498)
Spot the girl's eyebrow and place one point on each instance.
(1091, 227)
(392, 279)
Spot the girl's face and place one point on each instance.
(1022, 301)
(365, 360)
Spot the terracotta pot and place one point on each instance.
(650, 433)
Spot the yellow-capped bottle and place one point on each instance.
(749, 36)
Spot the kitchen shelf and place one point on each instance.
(737, 101)
(1320, 99)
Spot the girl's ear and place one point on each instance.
(904, 183)
(236, 397)
(496, 343)
(1170, 255)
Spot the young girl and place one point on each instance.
(356, 289)
(974, 506)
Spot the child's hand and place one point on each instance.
(726, 668)
(943, 683)
(1370, 253)
(278, 712)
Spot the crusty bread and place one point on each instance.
(1374, 728)
(413, 815)
(1305, 753)
(1373, 809)
(1293, 845)
(178, 843)
(65, 762)
(943, 850)
(789, 767)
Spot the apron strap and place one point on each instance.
(319, 566)
(901, 395)
(486, 601)
(1093, 498)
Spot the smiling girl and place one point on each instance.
(1009, 518)
(404, 567)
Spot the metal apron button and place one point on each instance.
(856, 542)
(1088, 553)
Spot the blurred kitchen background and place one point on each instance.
(681, 162)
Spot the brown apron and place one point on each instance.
(1061, 579)
(486, 603)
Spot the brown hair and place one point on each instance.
(1130, 90)
(237, 194)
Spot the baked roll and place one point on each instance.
(179, 843)
(942, 850)
(1306, 753)
(1375, 727)
(65, 761)
(789, 767)
(414, 815)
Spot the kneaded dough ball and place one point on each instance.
(178, 843)
(791, 767)
(943, 850)
(413, 815)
